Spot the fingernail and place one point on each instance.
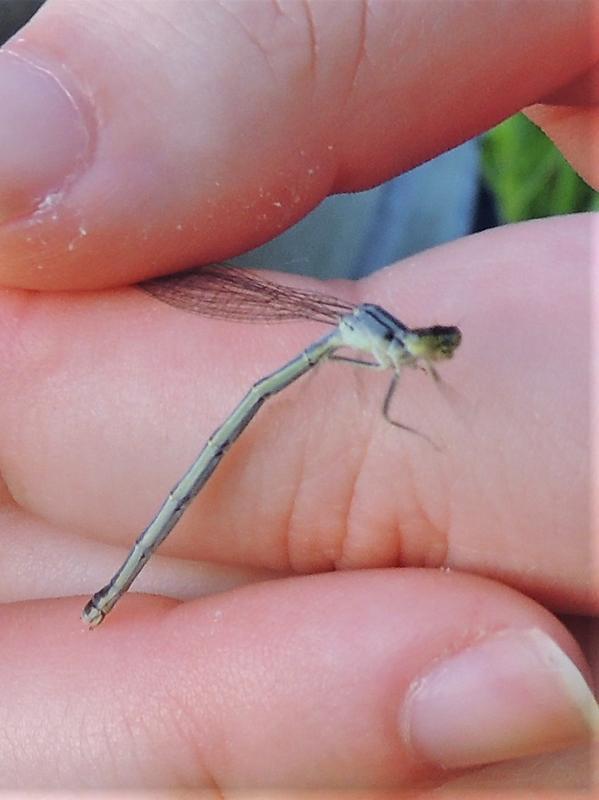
(44, 139)
(513, 694)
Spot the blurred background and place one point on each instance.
(511, 173)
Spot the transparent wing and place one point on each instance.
(228, 292)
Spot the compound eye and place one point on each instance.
(446, 349)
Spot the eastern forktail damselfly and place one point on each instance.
(232, 293)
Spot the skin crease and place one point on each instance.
(89, 379)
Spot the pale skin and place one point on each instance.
(202, 690)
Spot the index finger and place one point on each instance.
(107, 398)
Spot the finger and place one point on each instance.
(143, 140)
(366, 673)
(108, 398)
(568, 771)
(575, 131)
(570, 117)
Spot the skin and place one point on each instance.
(155, 697)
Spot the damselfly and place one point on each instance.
(231, 293)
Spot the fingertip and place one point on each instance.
(574, 129)
(525, 696)
(143, 151)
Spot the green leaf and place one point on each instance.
(528, 175)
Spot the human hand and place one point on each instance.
(201, 694)
(301, 681)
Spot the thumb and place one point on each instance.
(141, 137)
(374, 679)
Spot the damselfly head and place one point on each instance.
(435, 343)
